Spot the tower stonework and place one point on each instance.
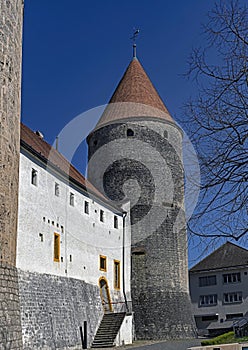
(11, 20)
(135, 153)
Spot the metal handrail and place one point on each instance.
(119, 306)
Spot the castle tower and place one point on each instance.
(135, 153)
(11, 13)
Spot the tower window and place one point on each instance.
(101, 215)
(130, 133)
(86, 207)
(117, 274)
(103, 263)
(56, 189)
(34, 177)
(72, 199)
(115, 222)
(56, 247)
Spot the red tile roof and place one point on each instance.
(47, 153)
(135, 96)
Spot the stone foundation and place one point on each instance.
(10, 319)
(53, 309)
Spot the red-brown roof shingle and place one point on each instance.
(135, 96)
(38, 145)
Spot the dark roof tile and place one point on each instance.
(226, 256)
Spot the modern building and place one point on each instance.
(219, 288)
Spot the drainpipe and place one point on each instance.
(123, 259)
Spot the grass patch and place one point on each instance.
(224, 339)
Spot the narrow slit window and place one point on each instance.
(103, 263)
(117, 271)
(115, 221)
(72, 199)
(34, 177)
(56, 189)
(101, 215)
(86, 207)
(56, 247)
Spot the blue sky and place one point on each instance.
(75, 53)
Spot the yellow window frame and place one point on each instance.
(117, 274)
(56, 254)
(104, 259)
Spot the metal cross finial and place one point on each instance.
(134, 37)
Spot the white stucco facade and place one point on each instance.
(82, 236)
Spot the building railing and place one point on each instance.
(118, 306)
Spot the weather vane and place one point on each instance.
(133, 38)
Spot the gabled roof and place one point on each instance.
(34, 143)
(226, 256)
(135, 96)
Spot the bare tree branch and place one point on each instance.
(217, 122)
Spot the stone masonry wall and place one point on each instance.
(142, 161)
(10, 80)
(10, 325)
(53, 308)
(11, 16)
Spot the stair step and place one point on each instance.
(108, 330)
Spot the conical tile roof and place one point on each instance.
(135, 96)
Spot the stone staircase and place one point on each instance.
(108, 330)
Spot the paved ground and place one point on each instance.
(165, 345)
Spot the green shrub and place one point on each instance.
(221, 339)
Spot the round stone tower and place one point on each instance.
(10, 96)
(135, 153)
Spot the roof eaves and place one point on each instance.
(56, 168)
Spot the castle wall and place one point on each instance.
(83, 237)
(147, 168)
(53, 308)
(56, 297)
(10, 91)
